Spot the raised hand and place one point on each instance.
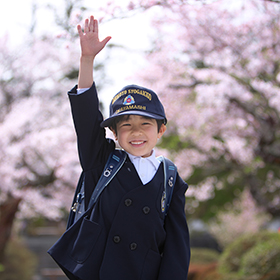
(89, 39)
(90, 47)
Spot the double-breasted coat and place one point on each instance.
(126, 237)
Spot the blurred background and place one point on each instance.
(216, 67)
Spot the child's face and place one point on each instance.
(138, 135)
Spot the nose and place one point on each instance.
(136, 131)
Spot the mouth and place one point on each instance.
(137, 143)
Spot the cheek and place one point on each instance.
(121, 136)
(154, 136)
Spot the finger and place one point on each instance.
(80, 31)
(91, 23)
(86, 25)
(96, 26)
(105, 41)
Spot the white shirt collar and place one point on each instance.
(152, 159)
(145, 167)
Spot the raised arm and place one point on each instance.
(90, 47)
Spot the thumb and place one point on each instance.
(105, 41)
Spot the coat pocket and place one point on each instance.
(83, 244)
(151, 266)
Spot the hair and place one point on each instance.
(118, 119)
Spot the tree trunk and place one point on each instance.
(7, 215)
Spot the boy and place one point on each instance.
(127, 236)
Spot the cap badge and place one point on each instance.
(128, 100)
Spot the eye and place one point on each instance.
(125, 124)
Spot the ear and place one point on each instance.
(114, 132)
(161, 130)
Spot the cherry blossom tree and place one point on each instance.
(242, 217)
(217, 69)
(217, 72)
(38, 155)
(39, 164)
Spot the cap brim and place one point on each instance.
(108, 121)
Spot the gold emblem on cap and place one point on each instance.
(132, 91)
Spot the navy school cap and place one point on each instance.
(135, 100)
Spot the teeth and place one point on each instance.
(137, 143)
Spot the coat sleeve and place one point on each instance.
(93, 147)
(176, 254)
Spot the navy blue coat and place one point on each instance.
(127, 237)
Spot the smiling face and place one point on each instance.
(138, 135)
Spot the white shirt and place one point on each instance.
(81, 90)
(145, 167)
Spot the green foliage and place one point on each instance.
(221, 171)
(72, 74)
(242, 217)
(204, 256)
(19, 263)
(262, 259)
(203, 264)
(230, 178)
(222, 196)
(173, 143)
(237, 255)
